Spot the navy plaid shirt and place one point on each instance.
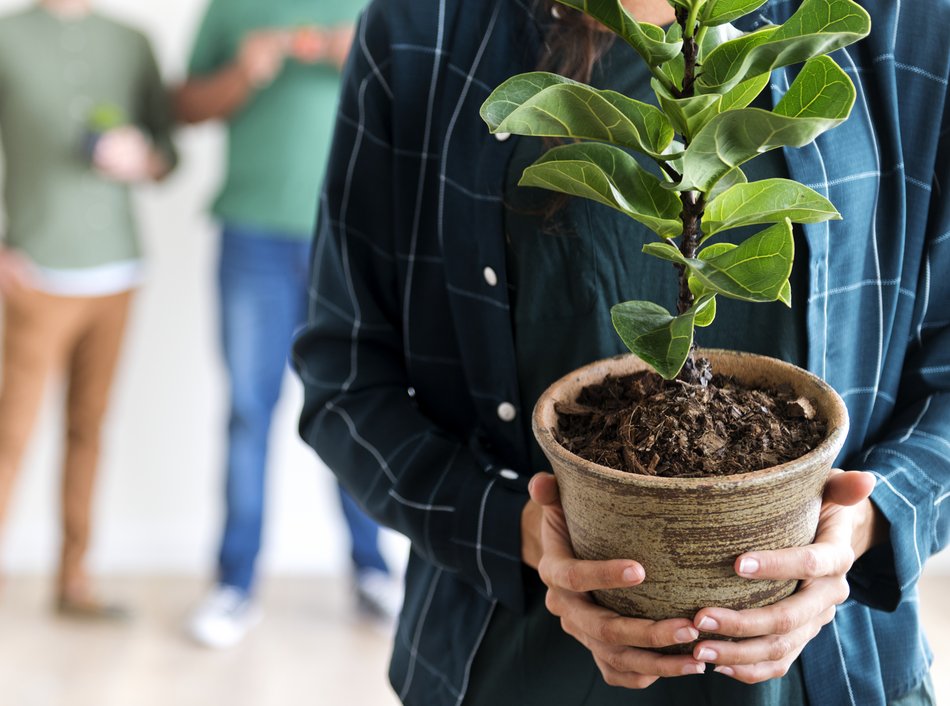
(409, 362)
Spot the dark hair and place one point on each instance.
(574, 43)
(572, 46)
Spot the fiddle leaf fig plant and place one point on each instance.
(700, 133)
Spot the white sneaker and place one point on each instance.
(223, 618)
(378, 594)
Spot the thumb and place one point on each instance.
(543, 489)
(849, 487)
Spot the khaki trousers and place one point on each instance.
(46, 336)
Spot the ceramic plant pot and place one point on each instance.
(687, 532)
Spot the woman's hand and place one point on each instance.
(621, 646)
(775, 635)
(14, 272)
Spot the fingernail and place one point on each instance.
(708, 624)
(725, 671)
(748, 566)
(694, 668)
(707, 655)
(631, 574)
(686, 634)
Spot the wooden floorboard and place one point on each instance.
(311, 649)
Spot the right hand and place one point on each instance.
(262, 54)
(621, 647)
(14, 273)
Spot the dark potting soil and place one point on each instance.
(642, 423)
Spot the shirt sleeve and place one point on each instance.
(912, 463)
(405, 469)
(154, 110)
(211, 50)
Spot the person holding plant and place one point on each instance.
(445, 299)
(272, 71)
(71, 258)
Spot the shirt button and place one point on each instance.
(502, 136)
(508, 474)
(490, 276)
(507, 412)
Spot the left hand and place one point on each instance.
(125, 154)
(774, 636)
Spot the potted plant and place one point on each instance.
(682, 515)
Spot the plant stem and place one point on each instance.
(694, 202)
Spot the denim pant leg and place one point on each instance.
(260, 310)
(364, 535)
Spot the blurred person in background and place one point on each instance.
(272, 72)
(83, 115)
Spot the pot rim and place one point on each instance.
(827, 450)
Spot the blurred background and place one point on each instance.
(159, 512)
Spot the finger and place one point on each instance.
(824, 558)
(769, 648)
(756, 673)
(543, 489)
(849, 487)
(628, 681)
(630, 662)
(581, 616)
(558, 569)
(782, 618)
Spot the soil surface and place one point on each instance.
(642, 423)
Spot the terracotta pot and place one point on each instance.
(687, 532)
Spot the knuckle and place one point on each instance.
(614, 660)
(544, 571)
(812, 562)
(844, 591)
(572, 578)
(655, 639)
(784, 621)
(607, 631)
(778, 648)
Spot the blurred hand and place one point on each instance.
(125, 154)
(262, 54)
(309, 45)
(777, 634)
(14, 273)
(621, 646)
(339, 41)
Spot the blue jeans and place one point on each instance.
(263, 298)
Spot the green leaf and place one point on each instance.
(688, 115)
(755, 271)
(766, 201)
(819, 99)
(697, 287)
(546, 105)
(610, 176)
(785, 296)
(743, 94)
(818, 27)
(718, 12)
(661, 340)
(647, 39)
(706, 314)
(728, 180)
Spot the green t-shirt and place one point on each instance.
(54, 74)
(279, 141)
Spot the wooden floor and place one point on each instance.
(310, 650)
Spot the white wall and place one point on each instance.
(158, 507)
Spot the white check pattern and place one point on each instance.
(409, 355)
